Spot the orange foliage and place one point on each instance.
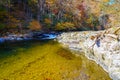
(35, 25)
(13, 22)
(65, 25)
(82, 10)
(106, 0)
(48, 21)
(9, 20)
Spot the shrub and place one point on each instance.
(35, 25)
(65, 26)
(47, 21)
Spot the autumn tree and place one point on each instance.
(35, 25)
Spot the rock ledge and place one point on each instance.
(101, 46)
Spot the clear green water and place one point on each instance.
(36, 60)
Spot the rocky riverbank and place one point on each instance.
(15, 37)
(101, 46)
(28, 36)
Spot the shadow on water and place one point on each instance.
(65, 53)
(11, 48)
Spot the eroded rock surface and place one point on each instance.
(101, 46)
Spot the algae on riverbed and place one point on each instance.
(47, 60)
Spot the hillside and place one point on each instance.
(61, 15)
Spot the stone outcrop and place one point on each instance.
(101, 46)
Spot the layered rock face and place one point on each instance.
(102, 46)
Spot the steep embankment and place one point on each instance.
(102, 46)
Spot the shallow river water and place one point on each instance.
(45, 60)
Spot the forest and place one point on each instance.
(55, 15)
(21, 16)
(34, 15)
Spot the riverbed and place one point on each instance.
(46, 60)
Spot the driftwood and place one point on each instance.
(107, 33)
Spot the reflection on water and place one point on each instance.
(45, 60)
